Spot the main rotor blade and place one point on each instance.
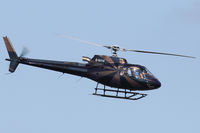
(87, 42)
(150, 52)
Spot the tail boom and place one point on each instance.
(74, 68)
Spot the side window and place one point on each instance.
(144, 73)
(129, 72)
(123, 71)
(136, 72)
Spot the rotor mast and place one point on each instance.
(114, 50)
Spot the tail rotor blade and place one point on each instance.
(24, 52)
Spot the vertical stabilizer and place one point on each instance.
(14, 60)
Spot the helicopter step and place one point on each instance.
(117, 93)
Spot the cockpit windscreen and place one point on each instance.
(139, 72)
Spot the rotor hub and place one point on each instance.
(114, 50)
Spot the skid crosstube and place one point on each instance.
(121, 94)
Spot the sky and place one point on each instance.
(34, 100)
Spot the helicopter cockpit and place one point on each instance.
(139, 72)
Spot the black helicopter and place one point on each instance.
(123, 78)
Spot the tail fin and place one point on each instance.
(14, 60)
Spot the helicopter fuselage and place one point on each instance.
(107, 70)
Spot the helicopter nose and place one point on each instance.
(155, 84)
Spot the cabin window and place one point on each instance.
(139, 73)
(129, 72)
(147, 74)
(135, 72)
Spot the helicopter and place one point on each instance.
(124, 79)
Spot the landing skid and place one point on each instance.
(117, 93)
